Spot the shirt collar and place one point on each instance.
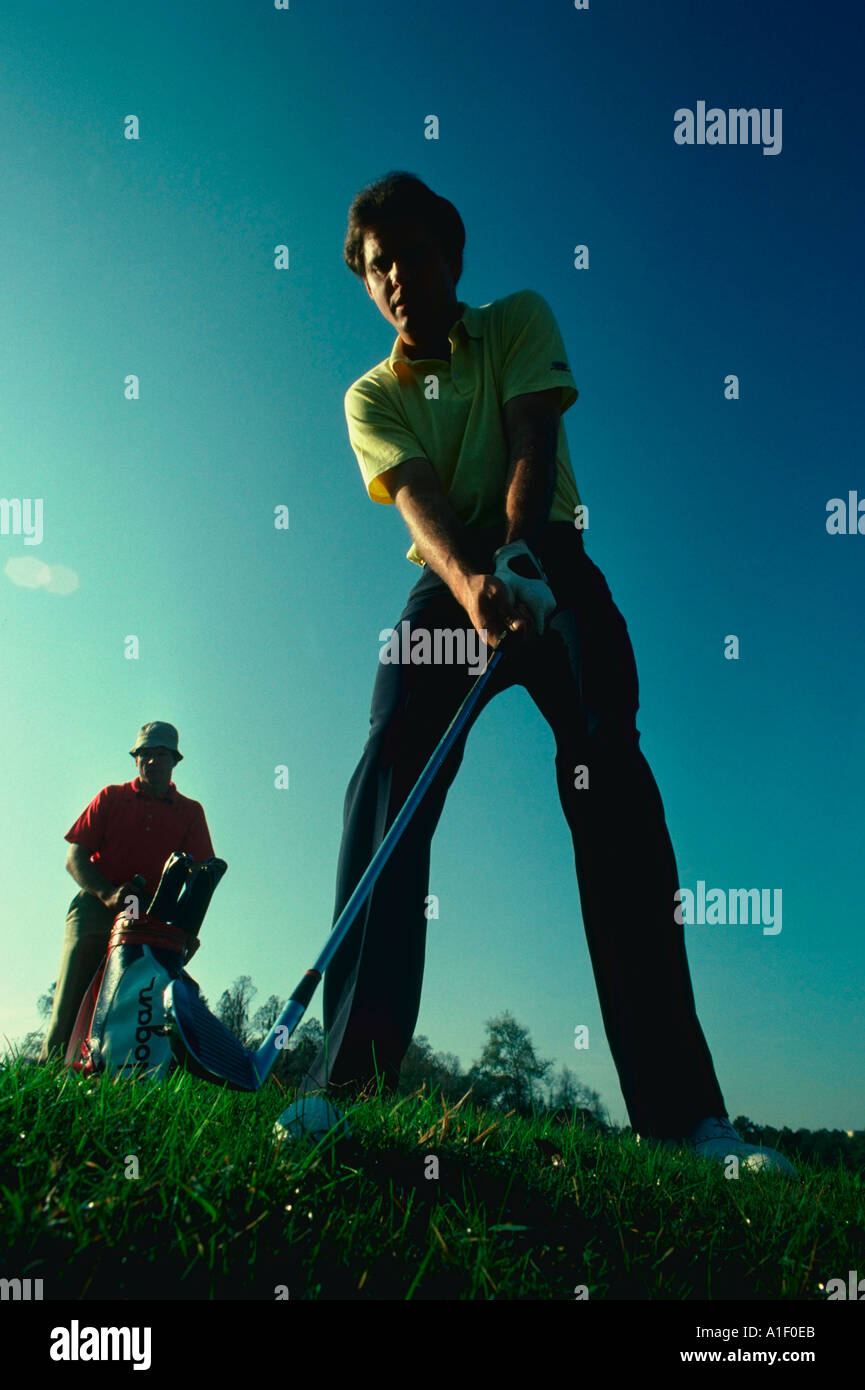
(171, 794)
(469, 324)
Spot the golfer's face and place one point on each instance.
(155, 766)
(408, 277)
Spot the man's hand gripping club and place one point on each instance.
(515, 598)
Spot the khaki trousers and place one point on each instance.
(85, 941)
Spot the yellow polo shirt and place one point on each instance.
(451, 412)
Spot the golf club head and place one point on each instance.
(203, 1045)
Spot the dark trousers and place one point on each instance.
(583, 678)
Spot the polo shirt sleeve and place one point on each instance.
(533, 356)
(378, 434)
(197, 840)
(89, 829)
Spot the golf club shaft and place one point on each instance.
(299, 1000)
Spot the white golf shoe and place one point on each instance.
(715, 1138)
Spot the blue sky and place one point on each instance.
(707, 515)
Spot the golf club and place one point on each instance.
(174, 874)
(191, 907)
(204, 1045)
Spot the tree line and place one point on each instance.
(509, 1075)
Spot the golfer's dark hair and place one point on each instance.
(395, 196)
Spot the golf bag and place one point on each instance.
(120, 1024)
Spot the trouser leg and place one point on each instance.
(85, 941)
(583, 677)
(372, 987)
(584, 680)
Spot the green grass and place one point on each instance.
(221, 1211)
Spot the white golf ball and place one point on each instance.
(310, 1117)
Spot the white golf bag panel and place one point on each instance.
(121, 1026)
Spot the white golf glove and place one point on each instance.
(525, 581)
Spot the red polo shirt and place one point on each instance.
(130, 833)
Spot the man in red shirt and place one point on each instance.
(128, 829)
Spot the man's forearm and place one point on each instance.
(439, 535)
(87, 876)
(528, 502)
(530, 486)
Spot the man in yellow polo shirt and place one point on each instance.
(461, 428)
(497, 352)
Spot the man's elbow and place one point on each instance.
(409, 479)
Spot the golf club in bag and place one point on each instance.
(204, 1045)
(120, 1024)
